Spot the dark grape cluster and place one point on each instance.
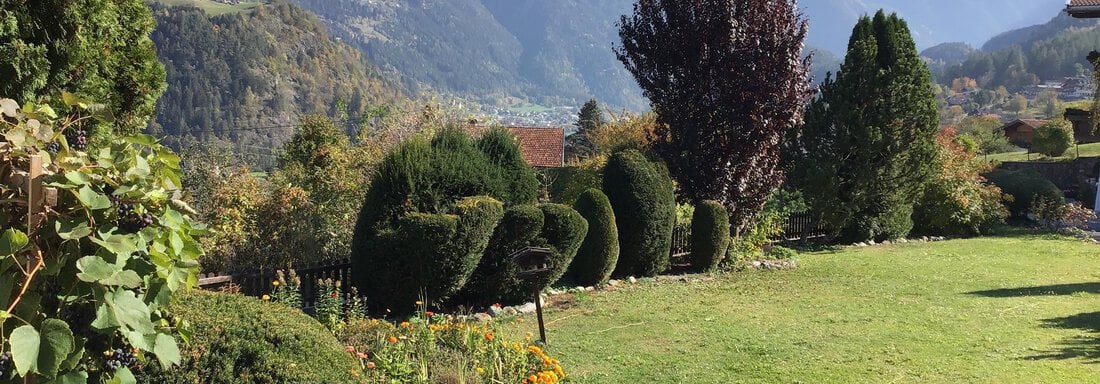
(129, 221)
(5, 364)
(118, 358)
(77, 138)
(53, 147)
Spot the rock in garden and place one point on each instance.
(612, 283)
(632, 280)
(526, 308)
(589, 289)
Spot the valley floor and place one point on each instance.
(1018, 309)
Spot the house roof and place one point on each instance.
(541, 147)
(1020, 123)
(1085, 9)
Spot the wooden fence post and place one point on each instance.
(35, 195)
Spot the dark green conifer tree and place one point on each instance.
(867, 147)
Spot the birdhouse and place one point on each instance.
(532, 262)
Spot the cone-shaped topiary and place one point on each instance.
(599, 252)
(642, 196)
(501, 148)
(710, 235)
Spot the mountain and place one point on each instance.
(824, 62)
(1022, 57)
(942, 56)
(931, 21)
(245, 77)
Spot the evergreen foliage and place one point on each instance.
(642, 197)
(867, 148)
(726, 79)
(710, 235)
(564, 230)
(494, 279)
(1053, 138)
(599, 252)
(1024, 187)
(589, 119)
(99, 49)
(242, 339)
(503, 151)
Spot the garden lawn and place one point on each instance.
(1022, 309)
(211, 7)
(1087, 150)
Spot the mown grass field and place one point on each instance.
(1019, 309)
(211, 7)
(1086, 150)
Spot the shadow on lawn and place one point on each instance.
(1085, 347)
(1046, 290)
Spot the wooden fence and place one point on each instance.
(259, 283)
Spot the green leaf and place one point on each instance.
(141, 139)
(24, 343)
(74, 377)
(166, 350)
(94, 268)
(127, 278)
(9, 107)
(130, 311)
(121, 245)
(56, 345)
(74, 229)
(123, 376)
(46, 110)
(104, 318)
(92, 200)
(78, 178)
(12, 241)
(17, 136)
(140, 168)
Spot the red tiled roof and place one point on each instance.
(1083, 3)
(541, 147)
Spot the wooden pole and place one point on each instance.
(35, 194)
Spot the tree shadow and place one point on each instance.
(1085, 347)
(1045, 290)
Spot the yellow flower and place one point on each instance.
(480, 370)
(265, 298)
(418, 302)
(275, 283)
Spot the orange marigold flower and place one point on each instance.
(349, 348)
(405, 324)
(370, 365)
(361, 355)
(489, 336)
(392, 339)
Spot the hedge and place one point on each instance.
(1024, 186)
(642, 196)
(426, 257)
(710, 235)
(239, 339)
(564, 231)
(494, 278)
(599, 252)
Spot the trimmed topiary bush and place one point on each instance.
(427, 256)
(599, 251)
(563, 232)
(416, 236)
(1024, 187)
(642, 196)
(495, 276)
(239, 339)
(710, 235)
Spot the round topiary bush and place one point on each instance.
(495, 276)
(564, 231)
(238, 339)
(599, 251)
(642, 196)
(416, 235)
(1024, 187)
(710, 235)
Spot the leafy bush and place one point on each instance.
(425, 256)
(86, 288)
(641, 194)
(434, 348)
(495, 277)
(781, 253)
(599, 252)
(1053, 138)
(1024, 187)
(1057, 214)
(626, 131)
(769, 224)
(555, 226)
(710, 235)
(569, 182)
(239, 339)
(957, 200)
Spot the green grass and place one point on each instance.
(1020, 309)
(1087, 150)
(212, 7)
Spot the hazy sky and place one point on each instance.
(931, 21)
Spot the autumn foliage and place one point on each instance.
(958, 200)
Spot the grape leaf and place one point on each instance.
(92, 200)
(24, 343)
(12, 241)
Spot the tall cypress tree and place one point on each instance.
(867, 146)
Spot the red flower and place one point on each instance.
(429, 313)
(334, 294)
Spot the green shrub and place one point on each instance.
(710, 235)
(1053, 138)
(238, 339)
(568, 183)
(599, 252)
(495, 277)
(564, 231)
(503, 151)
(781, 253)
(642, 196)
(1024, 187)
(426, 256)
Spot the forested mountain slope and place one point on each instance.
(246, 77)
